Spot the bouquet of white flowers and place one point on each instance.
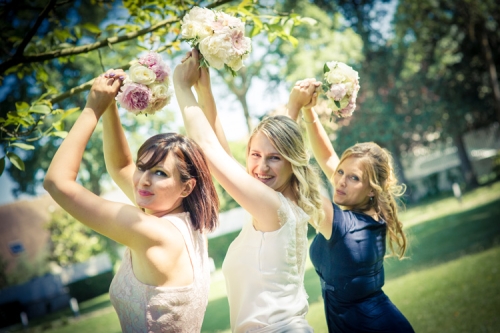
(219, 37)
(341, 88)
(146, 89)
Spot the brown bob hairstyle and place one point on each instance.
(202, 203)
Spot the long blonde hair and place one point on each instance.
(378, 164)
(285, 136)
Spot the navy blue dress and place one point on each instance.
(351, 270)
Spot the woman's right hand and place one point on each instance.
(187, 73)
(104, 90)
(303, 94)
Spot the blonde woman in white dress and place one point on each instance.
(264, 266)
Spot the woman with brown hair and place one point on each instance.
(163, 282)
(348, 252)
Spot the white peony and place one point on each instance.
(343, 83)
(159, 90)
(141, 74)
(215, 50)
(220, 37)
(197, 24)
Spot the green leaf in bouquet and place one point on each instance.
(204, 63)
(16, 160)
(326, 69)
(230, 70)
(337, 103)
(325, 87)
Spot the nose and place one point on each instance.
(145, 178)
(263, 165)
(341, 181)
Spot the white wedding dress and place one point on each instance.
(264, 274)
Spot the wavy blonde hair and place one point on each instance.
(285, 136)
(377, 162)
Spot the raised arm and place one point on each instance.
(120, 222)
(259, 200)
(117, 155)
(304, 96)
(206, 101)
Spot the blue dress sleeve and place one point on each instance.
(342, 223)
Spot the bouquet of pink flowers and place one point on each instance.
(146, 89)
(341, 87)
(219, 37)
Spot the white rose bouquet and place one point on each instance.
(341, 87)
(219, 37)
(146, 89)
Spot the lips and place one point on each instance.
(263, 178)
(144, 193)
(339, 192)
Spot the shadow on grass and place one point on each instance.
(441, 240)
(105, 303)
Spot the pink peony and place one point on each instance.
(154, 61)
(162, 71)
(150, 59)
(134, 97)
(240, 44)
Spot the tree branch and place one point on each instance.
(86, 86)
(22, 59)
(34, 28)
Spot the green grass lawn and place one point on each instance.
(450, 281)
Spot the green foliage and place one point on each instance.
(27, 268)
(72, 242)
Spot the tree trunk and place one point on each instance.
(492, 70)
(465, 163)
(244, 105)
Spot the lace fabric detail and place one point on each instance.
(145, 308)
(297, 219)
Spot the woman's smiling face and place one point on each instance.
(159, 190)
(351, 183)
(266, 164)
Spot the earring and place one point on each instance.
(371, 199)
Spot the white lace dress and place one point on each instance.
(145, 308)
(264, 274)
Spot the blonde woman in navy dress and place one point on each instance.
(348, 252)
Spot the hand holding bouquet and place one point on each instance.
(341, 88)
(219, 37)
(146, 89)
